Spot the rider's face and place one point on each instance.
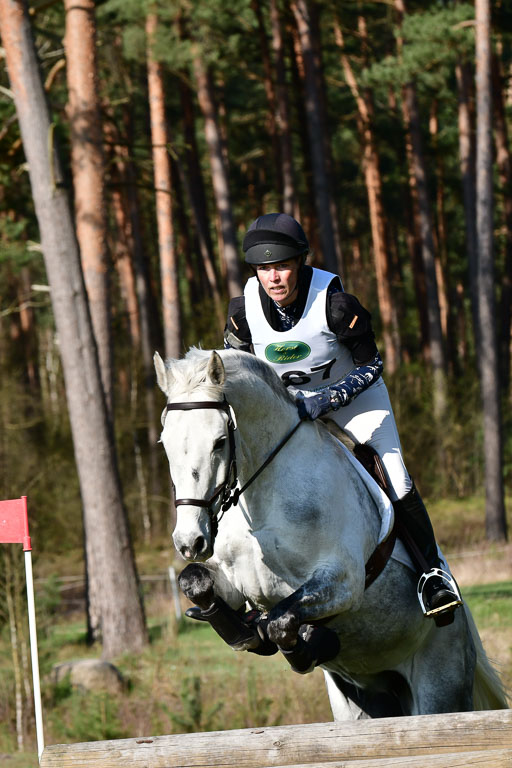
(279, 281)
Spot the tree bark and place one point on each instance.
(220, 184)
(122, 617)
(440, 247)
(290, 203)
(468, 171)
(504, 164)
(192, 182)
(495, 517)
(150, 335)
(270, 92)
(88, 166)
(376, 210)
(413, 127)
(124, 264)
(330, 248)
(163, 194)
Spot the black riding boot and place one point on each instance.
(437, 590)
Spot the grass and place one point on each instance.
(189, 680)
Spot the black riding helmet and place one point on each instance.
(274, 237)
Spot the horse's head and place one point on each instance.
(198, 439)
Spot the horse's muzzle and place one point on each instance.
(197, 551)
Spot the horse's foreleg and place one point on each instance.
(327, 593)
(292, 623)
(303, 646)
(196, 582)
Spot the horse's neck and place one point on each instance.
(263, 421)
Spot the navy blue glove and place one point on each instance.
(314, 406)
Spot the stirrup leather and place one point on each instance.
(449, 580)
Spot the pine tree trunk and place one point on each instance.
(413, 239)
(163, 194)
(495, 518)
(88, 166)
(504, 164)
(290, 203)
(28, 328)
(418, 170)
(468, 171)
(374, 191)
(309, 218)
(149, 333)
(270, 92)
(124, 265)
(221, 192)
(122, 617)
(439, 232)
(331, 253)
(192, 181)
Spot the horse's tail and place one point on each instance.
(489, 691)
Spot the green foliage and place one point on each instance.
(48, 604)
(433, 40)
(491, 604)
(84, 716)
(36, 451)
(194, 718)
(259, 707)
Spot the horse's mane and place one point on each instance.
(189, 373)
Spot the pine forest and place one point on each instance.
(138, 141)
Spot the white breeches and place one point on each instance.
(369, 419)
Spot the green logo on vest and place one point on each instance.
(287, 352)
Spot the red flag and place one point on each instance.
(14, 522)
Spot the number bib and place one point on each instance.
(308, 356)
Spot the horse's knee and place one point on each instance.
(196, 583)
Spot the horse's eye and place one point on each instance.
(219, 444)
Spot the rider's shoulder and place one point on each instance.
(348, 316)
(236, 305)
(237, 333)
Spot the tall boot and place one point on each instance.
(437, 590)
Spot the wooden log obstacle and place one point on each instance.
(427, 741)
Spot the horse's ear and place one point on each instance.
(162, 373)
(216, 371)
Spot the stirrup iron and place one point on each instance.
(448, 579)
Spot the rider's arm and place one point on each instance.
(352, 324)
(237, 334)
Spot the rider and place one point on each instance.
(320, 341)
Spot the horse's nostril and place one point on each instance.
(199, 545)
(198, 548)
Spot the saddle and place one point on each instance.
(365, 454)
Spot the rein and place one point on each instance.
(230, 493)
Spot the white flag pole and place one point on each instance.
(175, 593)
(33, 652)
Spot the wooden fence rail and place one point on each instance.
(427, 741)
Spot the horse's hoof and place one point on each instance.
(284, 630)
(196, 583)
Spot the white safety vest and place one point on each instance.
(308, 356)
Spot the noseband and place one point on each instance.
(230, 494)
